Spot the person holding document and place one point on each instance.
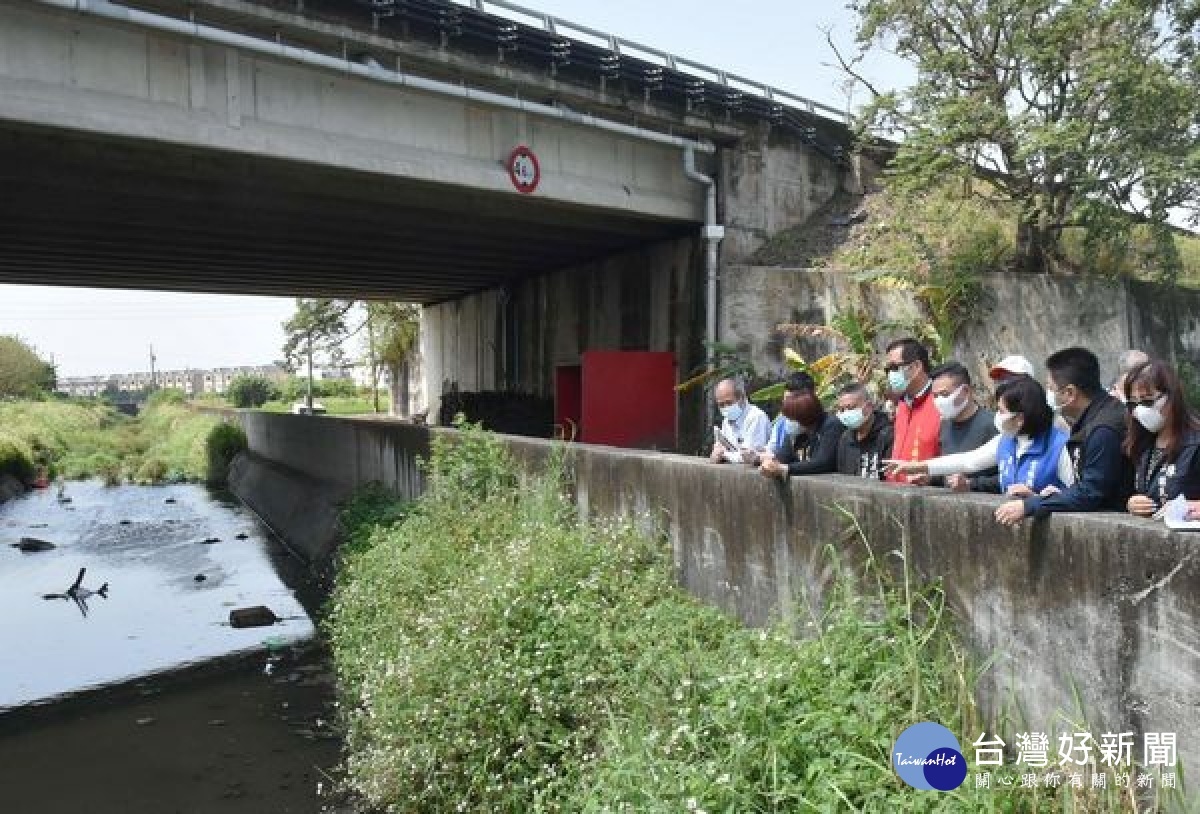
(1163, 439)
(744, 429)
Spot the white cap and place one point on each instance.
(1011, 366)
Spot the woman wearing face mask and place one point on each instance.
(1030, 452)
(807, 439)
(1162, 441)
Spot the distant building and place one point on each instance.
(191, 382)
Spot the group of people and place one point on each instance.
(1062, 444)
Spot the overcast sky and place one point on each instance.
(780, 42)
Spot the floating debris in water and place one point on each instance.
(79, 594)
(210, 540)
(32, 545)
(242, 536)
(169, 500)
(199, 578)
(126, 522)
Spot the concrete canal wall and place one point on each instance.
(1106, 606)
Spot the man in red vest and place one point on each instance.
(918, 422)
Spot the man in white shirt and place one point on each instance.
(744, 428)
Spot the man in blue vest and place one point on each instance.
(1097, 420)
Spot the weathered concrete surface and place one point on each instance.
(69, 71)
(514, 338)
(300, 508)
(1034, 315)
(773, 181)
(1105, 605)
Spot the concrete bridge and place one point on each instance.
(366, 149)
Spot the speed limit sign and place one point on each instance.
(524, 170)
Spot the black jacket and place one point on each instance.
(865, 458)
(1168, 480)
(814, 453)
(1103, 475)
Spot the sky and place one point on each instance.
(90, 332)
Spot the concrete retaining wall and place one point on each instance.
(1030, 314)
(1103, 605)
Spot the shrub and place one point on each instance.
(250, 391)
(152, 470)
(167, 395)
(16, 460)
(224, 442)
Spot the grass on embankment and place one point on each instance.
(78, 440)
(494, 655)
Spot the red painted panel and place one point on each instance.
(629, 399)
(568, 400)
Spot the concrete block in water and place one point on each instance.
(258, 616)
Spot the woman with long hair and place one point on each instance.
(1163, 439)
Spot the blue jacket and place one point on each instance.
(1037, 468)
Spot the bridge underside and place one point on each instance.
(80, 210)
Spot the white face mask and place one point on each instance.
(791, 427)
(1006, 424)
(946, 405)
(1151, 417)
(852, 419)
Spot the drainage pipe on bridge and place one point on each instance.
(372, 70)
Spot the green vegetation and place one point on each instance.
(223, 443)
(1082, 115)
(74, 440)
(23, 373)
(15, 459)
(251, 391)
(495, 655)
(945, 229)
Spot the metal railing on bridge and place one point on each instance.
(576, 50)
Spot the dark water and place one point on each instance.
(151, 703)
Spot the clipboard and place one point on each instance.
(720, 438)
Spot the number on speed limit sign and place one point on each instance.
(523, 169)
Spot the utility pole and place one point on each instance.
(308, 398)
(153, 381)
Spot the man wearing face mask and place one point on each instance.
(809, 441)
(1030, 451)
(917, 426)
(744, 427)
(965, 426)
(866, 441)
(1103, 476)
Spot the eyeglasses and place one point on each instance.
(1149, 403)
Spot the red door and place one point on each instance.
(629, 399)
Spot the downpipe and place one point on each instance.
(713, 234)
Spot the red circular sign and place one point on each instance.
(524, 170)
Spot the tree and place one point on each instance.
(393, 336)
(250, 391)
(1085, 113)
(318, 327)
(23, 373)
